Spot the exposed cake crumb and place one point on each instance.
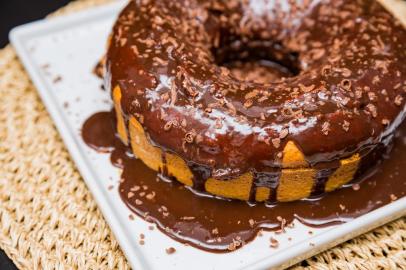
(251, 222)
(356, 187)
(170, 250)
(274, 243)
(57, 79)
(138, 202)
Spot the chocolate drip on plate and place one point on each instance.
(223, 225)
(96, 132)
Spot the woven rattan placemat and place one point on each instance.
(49, 220)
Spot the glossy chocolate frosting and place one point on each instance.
(224, 225)
(342, 93)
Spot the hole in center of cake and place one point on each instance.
(260, 71)
(257, 61)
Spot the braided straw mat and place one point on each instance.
(49, 220)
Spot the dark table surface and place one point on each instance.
(13, 13)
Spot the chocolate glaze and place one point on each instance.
(200, 176)
(323, 173)
(220, 225)
(96, 132)
(267, 179)
(342, 91)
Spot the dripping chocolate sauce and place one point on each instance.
(214, 224)
(269, 180)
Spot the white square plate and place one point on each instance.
(60, 54)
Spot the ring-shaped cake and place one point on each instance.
(321, 110)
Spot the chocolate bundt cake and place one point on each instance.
(258, 100)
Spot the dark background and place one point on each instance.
(13, 13)
(16, 12)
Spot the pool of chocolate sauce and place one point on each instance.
(219, 225)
